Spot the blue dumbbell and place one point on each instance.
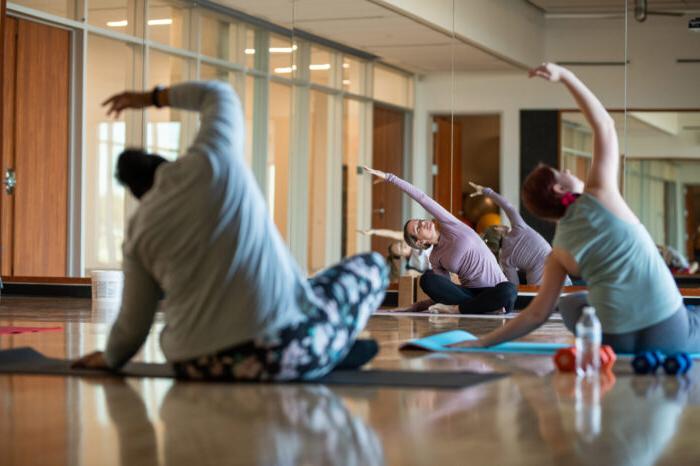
(678, 364)
(647, 362)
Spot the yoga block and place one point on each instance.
(407, 290)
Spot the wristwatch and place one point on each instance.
(154, 96)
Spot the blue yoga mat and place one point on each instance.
(439, 342)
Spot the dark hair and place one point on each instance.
(539, 196)
(409, 238)
(137, 169)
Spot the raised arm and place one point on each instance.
(605, 166)
(435, 209)
(382, 233)
(512, 214)
(221, 119)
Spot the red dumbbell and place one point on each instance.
(565, 359)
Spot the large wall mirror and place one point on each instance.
(435, 92)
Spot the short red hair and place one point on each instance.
(539, 196)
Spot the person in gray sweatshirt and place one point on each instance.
(237, 306)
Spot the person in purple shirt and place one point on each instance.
(457, 249)
(522, 248)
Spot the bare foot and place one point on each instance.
(439, 308)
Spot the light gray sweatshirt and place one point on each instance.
(203, 235)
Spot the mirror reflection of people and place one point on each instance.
(522, 248)
(236, 307)
(599, 238)
(675, 261)
(458, 249)
(402, 258)
(265, 424)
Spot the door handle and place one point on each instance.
(379, 211)
(10, 181)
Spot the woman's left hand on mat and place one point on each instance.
(468, 344)
(94, 360)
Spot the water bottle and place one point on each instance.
(588, 337)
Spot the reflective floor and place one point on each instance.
(534, 416)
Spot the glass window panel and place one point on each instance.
(166, 128)
(168, 23)
(112, 66)
(63, 8)
(392, 87)
(278, 148)
(353, 76)
(352, 124)
(249, 50)
(318, 156)
(249, 93)
(114, 15)
(281, 55)
(321, 66)
(218, 37)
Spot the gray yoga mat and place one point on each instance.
(29, 361)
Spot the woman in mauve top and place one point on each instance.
(457, 249)
(599, 238)
(522, 248)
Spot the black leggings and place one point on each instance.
(471, 300)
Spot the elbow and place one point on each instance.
(607, 125)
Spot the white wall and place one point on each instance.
(656, 81)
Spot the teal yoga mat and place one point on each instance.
(439, 342)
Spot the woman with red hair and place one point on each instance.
(600, 239)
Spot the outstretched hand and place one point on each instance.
(548, 71)
(478, 189)
(379, 174)
(94, 360)
(124, 100)
(468, 344)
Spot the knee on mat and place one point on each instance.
(509, 294)
(426, 279)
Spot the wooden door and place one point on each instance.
(447, 157)
(692, 219)
(35, 130)
(387, 156)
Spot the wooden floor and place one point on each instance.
(533, 417)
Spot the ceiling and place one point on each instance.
(611, 6)
(408, 43)
(363, 25)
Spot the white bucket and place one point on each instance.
(107, 286)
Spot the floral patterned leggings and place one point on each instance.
(343, 298)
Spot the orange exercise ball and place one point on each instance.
(487, 220)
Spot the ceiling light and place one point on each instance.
(283, 49)
(320, 67)
(160, 22)
(249, 51)
(285, 69)
(117, 24)
(346, 82)
(346, 65)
